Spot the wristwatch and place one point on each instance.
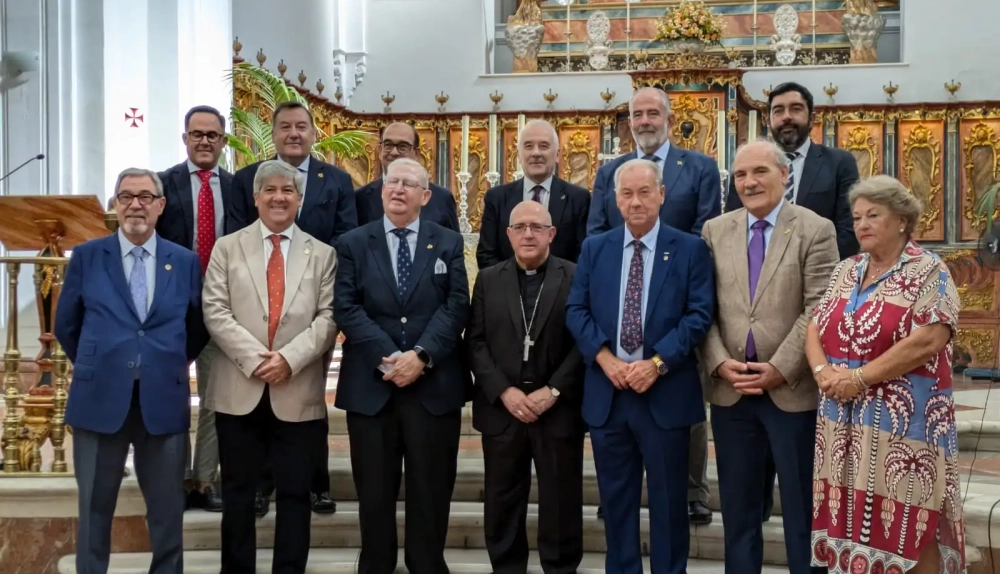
(555, 391)
(818, 368)
(661, 367)
(423, 355)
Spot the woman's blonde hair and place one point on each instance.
(887, 191)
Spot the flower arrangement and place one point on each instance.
(690, 20)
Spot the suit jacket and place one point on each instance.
(568, 205)
(678, 315)
(235, 303)
(797, 266)
(693, 192)
(328, 208)
(176, 223)
(377, 322)
(440, 208)
(827, 176)
(102, 335)
(496, 335)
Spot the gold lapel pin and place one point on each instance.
(430, 246)
(320, 175)
(666, 255)
(167, 267)
(787, 231)
(679, 162)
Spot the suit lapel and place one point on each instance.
(557, 201)
(780, 237)
(252, 244)
(380, 247)
(116, 271)
(661, 264)
(810, 169)
(550, 289)
(672, 168)
(374, 200)
(736, 244)
(226, 185)
(164, 276)
(615, 260)
(295, 267)
(422, 256)
(182, 183)
(512, 293)
(314, 189)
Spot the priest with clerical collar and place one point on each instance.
(529, 391)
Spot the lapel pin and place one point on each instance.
(320, 175)
(679, 162)
(666, 255)
(430, 246)
(787, 231)
(167, 267)
(307, 251)
(563, 196)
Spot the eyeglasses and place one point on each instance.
(144, 198)
(401, 147)
(408, 184)
(212, 137)
(535, 228)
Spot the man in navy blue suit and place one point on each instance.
(401, 298)
(130, 321)
(402, 140)
(642, 391)
(693, 196)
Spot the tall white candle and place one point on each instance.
(465, 144)
(493, 142)
(721, 137)
(752, 126)
(520, 128)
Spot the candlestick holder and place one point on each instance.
(463, 203)
(493, 177)
(496, 97)
(724, 180)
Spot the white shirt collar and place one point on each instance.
(660, 152)
(192, 168)
(803, 150)
(267, 232)
(771, 218)
(126, 245)
(388, 225)
(546, 185)
(649, 240)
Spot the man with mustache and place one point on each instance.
(198, 193)
(819, 179)
(537, 148)
(692, 197)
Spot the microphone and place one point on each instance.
(13, 171)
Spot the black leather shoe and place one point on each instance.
(261, 505)
(211, 499)
(322, 503)
(194, 499)
(699, 514)
(600, 512)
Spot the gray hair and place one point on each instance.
(887, 191)
(139, 172)
(422, 176)
(664, 98)
(532, 123)
(780, 157)
(277, 168)
(631, 164)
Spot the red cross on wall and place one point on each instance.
(135, 118)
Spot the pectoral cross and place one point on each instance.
(528, 344)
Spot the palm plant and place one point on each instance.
(251, 140)
(986, 206)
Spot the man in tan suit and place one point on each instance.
(268, 303)
(776, 259)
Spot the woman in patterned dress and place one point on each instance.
(886, 492)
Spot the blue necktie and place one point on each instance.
(404, 265)
(137, 282)
(631, 335)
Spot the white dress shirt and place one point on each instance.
(546, 189)
(797, 167)
(216, 186)
(649, 248)
(150, 260)
(286, 243)
(393, 241)
(771, 218)
(660, 153)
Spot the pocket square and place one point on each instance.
(440, 267)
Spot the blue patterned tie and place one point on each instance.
(137, 282)
(404, 266)
(631, 337)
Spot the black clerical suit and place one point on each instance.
(555, 441)
(568, 205)
(440, 207)
(418, 424)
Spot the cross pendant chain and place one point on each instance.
(528, 343)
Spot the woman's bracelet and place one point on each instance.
(858, 378)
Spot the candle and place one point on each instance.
(721, 137)
(752, 126)
(520, 128)
(465, 144)
(493, 142)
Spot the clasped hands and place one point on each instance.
(638, 376)
(750, 378)
(275, 370)
(402, 368)
(527, 408)
(836, 382)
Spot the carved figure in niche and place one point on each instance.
(578, 160)
(598, 43)
(524, 35)
(863, 25)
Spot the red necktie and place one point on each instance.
(206, 219)
(275, 288)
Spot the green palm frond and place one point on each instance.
(349, 143)
(987, 204)
(253, 131)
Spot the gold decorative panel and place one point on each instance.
(428, 151)
(699, 111)
(816, 133)
(864, 140)
(975, 347)
(921, 169)
(979, 165)
(977, 289)
(479, 164)
(509, 167)
(362, 169)
(578, 154)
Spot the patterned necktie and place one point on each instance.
(404, 266)
(536, 193)
(650, 157)
(631, 337)
(755, 254)
(275, 288)
(137, 282)
(790, 186)
(205, 233)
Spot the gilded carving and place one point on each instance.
(922, 169)
(478, 185)
(982, 170)
(578, 160)
(979, 343)
(976, 285)
(665, 79)
(861, 143)
(699, 116)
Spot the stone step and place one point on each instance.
(344, 561)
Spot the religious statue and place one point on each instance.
(863, 25)
(524, 35)
(786, 42)
(598, 43)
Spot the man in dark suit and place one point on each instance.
(819, 179)
(327, 211)
(693, 196)
(402, 140)
(198, 193)
(537, 149)
(642, 301)
(529, 390)
(402, 300)
(130, 321)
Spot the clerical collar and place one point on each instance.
(535, 271)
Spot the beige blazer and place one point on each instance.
(234, 301)
(797, 265)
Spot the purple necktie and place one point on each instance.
(536, 193)
(631, 337)
(755, 254)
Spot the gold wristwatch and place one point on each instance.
(818, 368)
(661, 367)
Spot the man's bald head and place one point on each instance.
(530, 233)
(530, 210)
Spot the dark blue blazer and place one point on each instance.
(328, 209)
(98, 327)
(440, 208)
(679, 312)
(176, 223)
(376, 322)
(693, 192)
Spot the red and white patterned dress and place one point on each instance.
(886, 477)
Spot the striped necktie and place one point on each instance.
(790, 186)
